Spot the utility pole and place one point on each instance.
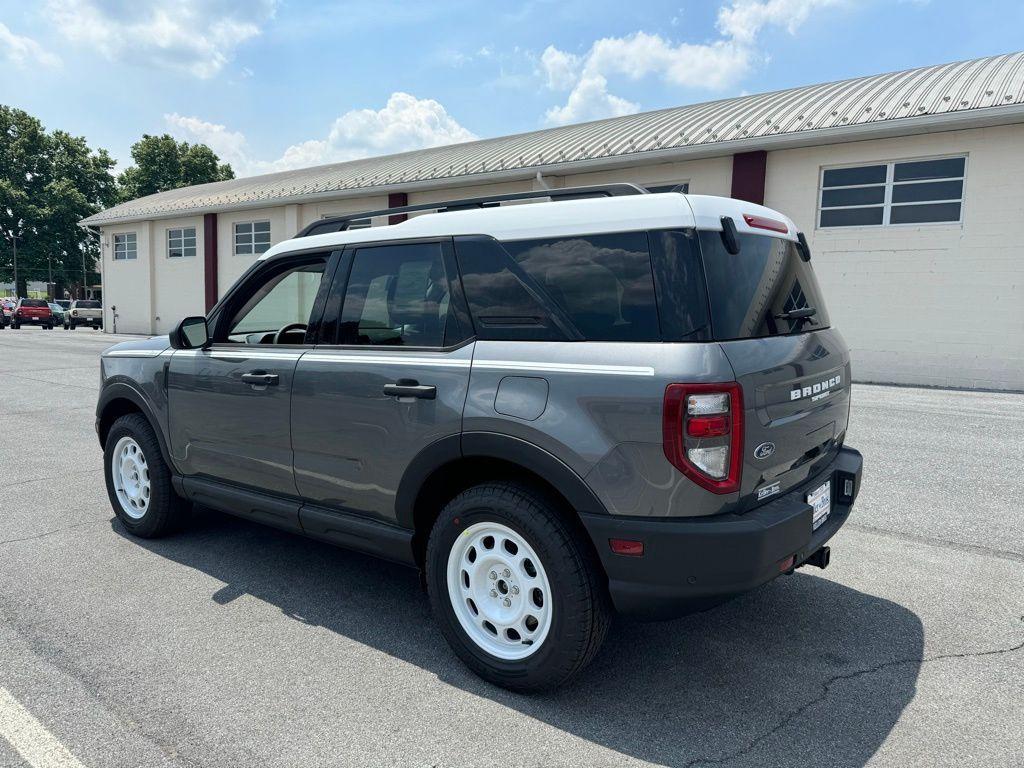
(14, 241)
(85, 281)
(49, 282)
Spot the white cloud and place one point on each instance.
(195, 36)
(404, 123)
(713, 65)
(22, 51)
(742, 20)
(560, 68)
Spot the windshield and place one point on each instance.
(766, 289)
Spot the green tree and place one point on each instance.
(162, 163)
(48, 183)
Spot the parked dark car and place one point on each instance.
(636, 403)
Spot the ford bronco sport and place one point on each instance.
(605, 401)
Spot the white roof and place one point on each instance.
(963, 94)
(565, 218)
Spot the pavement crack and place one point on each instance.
(8, 486)
(826, 689)
(44, 534)
(935, 541)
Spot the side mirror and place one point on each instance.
(190, 333)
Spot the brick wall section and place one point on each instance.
(939, 304)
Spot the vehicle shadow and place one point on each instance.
(802, 672)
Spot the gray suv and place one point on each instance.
(607, 401)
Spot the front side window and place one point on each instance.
(282, 298)
(181, 242)
(126, 246)
(397, 295)
(252, 237)
(904, 192)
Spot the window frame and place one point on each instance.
(251, 223)
(330, 325)
(220, 317)
(182, 237)
(887, 204)
(134, 250)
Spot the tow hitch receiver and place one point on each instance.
(820, 559)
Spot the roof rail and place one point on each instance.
(341, 223)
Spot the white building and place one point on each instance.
(909, 187)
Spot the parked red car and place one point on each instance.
(32, 312)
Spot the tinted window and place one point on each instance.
(749, 293)
(34, 303)
(602, 283)
(682, 300)
(397, 295)
(504, 301)
(84, 304)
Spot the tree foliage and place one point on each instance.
(162, 163)
(48, 183)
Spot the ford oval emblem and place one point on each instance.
(764, 450)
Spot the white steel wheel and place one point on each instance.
(129, 470)
(499, 591)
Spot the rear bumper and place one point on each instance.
(34, 320)
(693, 564)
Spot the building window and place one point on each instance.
(252, 237)
(905, 192)
(181, 242)
(682, 186)
(126, 246)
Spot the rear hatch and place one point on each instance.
(87, 309)
(794, 372)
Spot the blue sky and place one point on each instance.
(274, 84)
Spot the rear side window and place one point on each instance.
(601, 283)
(750, 293)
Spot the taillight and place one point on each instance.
(702, 430)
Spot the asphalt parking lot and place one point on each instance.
(232, 644)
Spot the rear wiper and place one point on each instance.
(797, 314)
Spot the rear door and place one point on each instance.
(389, 382)
(794, 371)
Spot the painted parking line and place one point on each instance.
(30, 739)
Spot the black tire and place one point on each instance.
(15, 326)
(71, 326)
(166, 511)
(580, 608)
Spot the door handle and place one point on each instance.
(410, 388)
(261, 379)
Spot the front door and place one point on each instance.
(393, 383)
(229, 404)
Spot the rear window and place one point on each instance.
(88, 305)
(34, 303)
(751, 293)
